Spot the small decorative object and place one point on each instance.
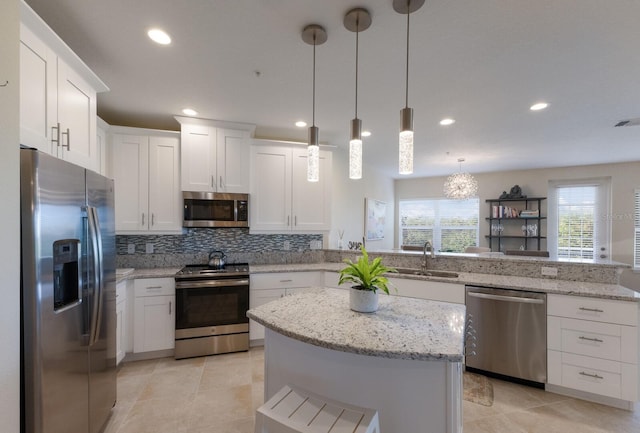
(340, 235)
(368, 277)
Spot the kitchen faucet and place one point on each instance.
(428, 245)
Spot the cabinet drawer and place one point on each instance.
(595, 309)
(121, 292)
(154, 287)
(284, 280)
(260, 297)
(596, 339)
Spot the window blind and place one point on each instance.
(450, 225)
(636, 237)
(576, 221)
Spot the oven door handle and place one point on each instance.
(517, 299)
(191, 284)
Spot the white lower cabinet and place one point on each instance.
(593, 346)
(271, 286)
(121, 321)
(154, 314)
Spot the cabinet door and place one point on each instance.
(121, 336)
(311, 201)
(131, 177)
(198, 158)
(154, 323)
(260, 297)
(271, 188)
(232, 161)
(164, 184)
(38, 95)
(77, 118)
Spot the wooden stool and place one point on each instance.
(294, 410)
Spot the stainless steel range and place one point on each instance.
(211, 310)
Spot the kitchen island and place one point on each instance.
(405, 360)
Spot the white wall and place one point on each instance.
(347, 203)
(625, 177)
(9, 218)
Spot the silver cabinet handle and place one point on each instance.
(68, 145)
(143, 218)
(169, 308)
(286, 281)
(506, 298)
(55, 138)
(596, 340)
(221, 184)
(595, 376)
(594, 310)
(295, 220)
(153, 287)
(153, 219)
(213, 182)
(288, 220)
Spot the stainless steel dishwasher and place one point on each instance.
(510, 332)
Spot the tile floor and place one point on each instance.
(219, 394)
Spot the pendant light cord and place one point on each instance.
(313, 119)
(357, 33)
(406, 97)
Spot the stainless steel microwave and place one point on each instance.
(215, 209)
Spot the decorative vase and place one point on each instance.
(363, 301)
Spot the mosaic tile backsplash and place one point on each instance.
(194, 244)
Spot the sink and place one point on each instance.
(429, 273)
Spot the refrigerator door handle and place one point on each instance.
(96, 249)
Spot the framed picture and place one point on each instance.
(375, 218)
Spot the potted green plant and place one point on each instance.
(368, 277)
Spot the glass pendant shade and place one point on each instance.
(406, 141)
(355, 150)
(460, 186)
(313, 156)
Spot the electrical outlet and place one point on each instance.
(315, 245)
(549, 271)
(149, 248)
(286, 246)
(131, 248)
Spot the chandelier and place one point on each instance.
(460, 186)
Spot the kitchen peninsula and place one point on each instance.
(405, 360)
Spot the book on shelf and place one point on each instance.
(504, 212)
(530, 213)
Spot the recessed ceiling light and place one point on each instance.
(159, 36)
(189, 111)
(447, 122)
(366, 133)
(301, 123)
(539, 106)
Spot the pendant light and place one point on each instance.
(356, 20)
(406, 114)
(313, 34)
(460, 186)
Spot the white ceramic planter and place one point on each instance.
(363, 301)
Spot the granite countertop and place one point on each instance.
(545, 285)
(123, 274)
(402, 328)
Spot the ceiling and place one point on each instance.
(482, 63)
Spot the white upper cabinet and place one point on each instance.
(57, 95)
(281, 197)
(147, 182)
(214, 158)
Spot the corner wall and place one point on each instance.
(10, 217)
(348, 208)
(625, 177)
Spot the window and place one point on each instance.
(450, 225)
(636, 237)
(578, 226)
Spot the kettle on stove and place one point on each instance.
(216, 259)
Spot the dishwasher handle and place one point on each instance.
(517, 299)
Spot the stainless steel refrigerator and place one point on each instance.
(68, 296)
